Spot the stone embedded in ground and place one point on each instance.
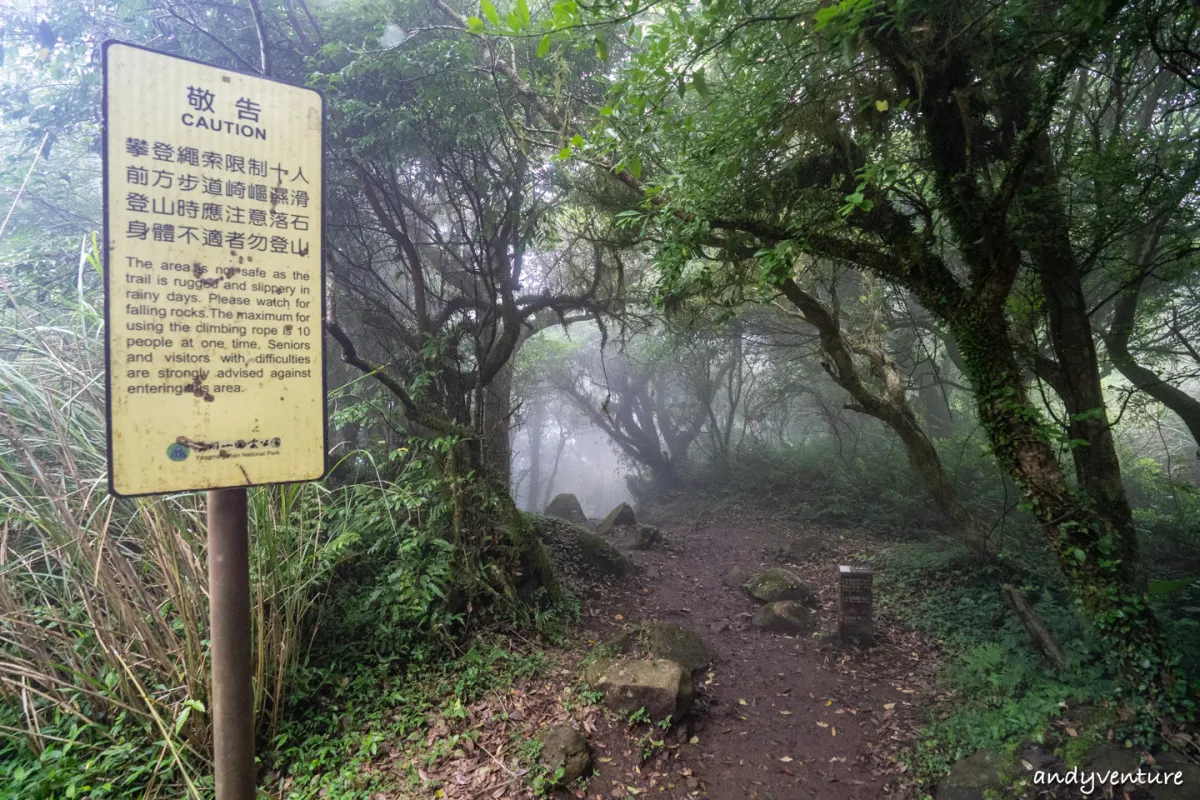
(564, 747)
(799, 550)
(594, 671)
(976, 777)
(663, 688)
(736, 578)
(1176, 789)
(566, 506)
(777, 583)
(619, 517)
(784, 616)
(579, 553)
(679, 644)
(1039, 756)
(623, 642)
(647, 538)
(1109, 757)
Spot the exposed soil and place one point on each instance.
(776, 716)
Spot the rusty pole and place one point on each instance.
(229, 611)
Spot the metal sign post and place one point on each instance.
(229, 608)
(214, 289)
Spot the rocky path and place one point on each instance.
(776, 716)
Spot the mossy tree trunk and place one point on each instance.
(1095, 551)
(496, 554)
(495, 550)
(1000, 227)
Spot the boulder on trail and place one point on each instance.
(777, 583)
(1109, 757)
(975, 777)
(661, 640)
(578, 553)
(648, 537)
(679, 644)
(622, 643)
(620, 517)
(663, 688)
(564, 748)
(566, 506)
(799, 550)
(736, 578)
(783, 616)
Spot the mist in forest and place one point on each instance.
(910, 287)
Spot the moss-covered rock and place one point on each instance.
(622, 643)
(564, 748)
(663, 640)
(593, 671)
(663, 688)
(648, 537)
(777, 583)
(679, 644)
(975, 777)
(784, 616)
(566, 506)
(620, 517)
(799, 550)
(1107, 757)
(579, 554)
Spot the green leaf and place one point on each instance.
(601, 49)
(490, 12)
(1080, 556)
(826, 16)
(523, 11)
(881, 105)
(699, 84)
(474, 25)
(1166, 587)
(543, 46)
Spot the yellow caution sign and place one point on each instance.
(213, 276)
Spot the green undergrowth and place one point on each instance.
(355, 728)
(996, 692)
(387, 669)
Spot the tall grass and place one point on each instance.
(103, 603)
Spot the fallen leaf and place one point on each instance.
(785, 713)
(823, 724)
(694, 740)
(889, 706)
(786, 759)
(741, 702)
(618, 616)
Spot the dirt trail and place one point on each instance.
(777, 717)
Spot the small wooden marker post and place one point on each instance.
(854, 604)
